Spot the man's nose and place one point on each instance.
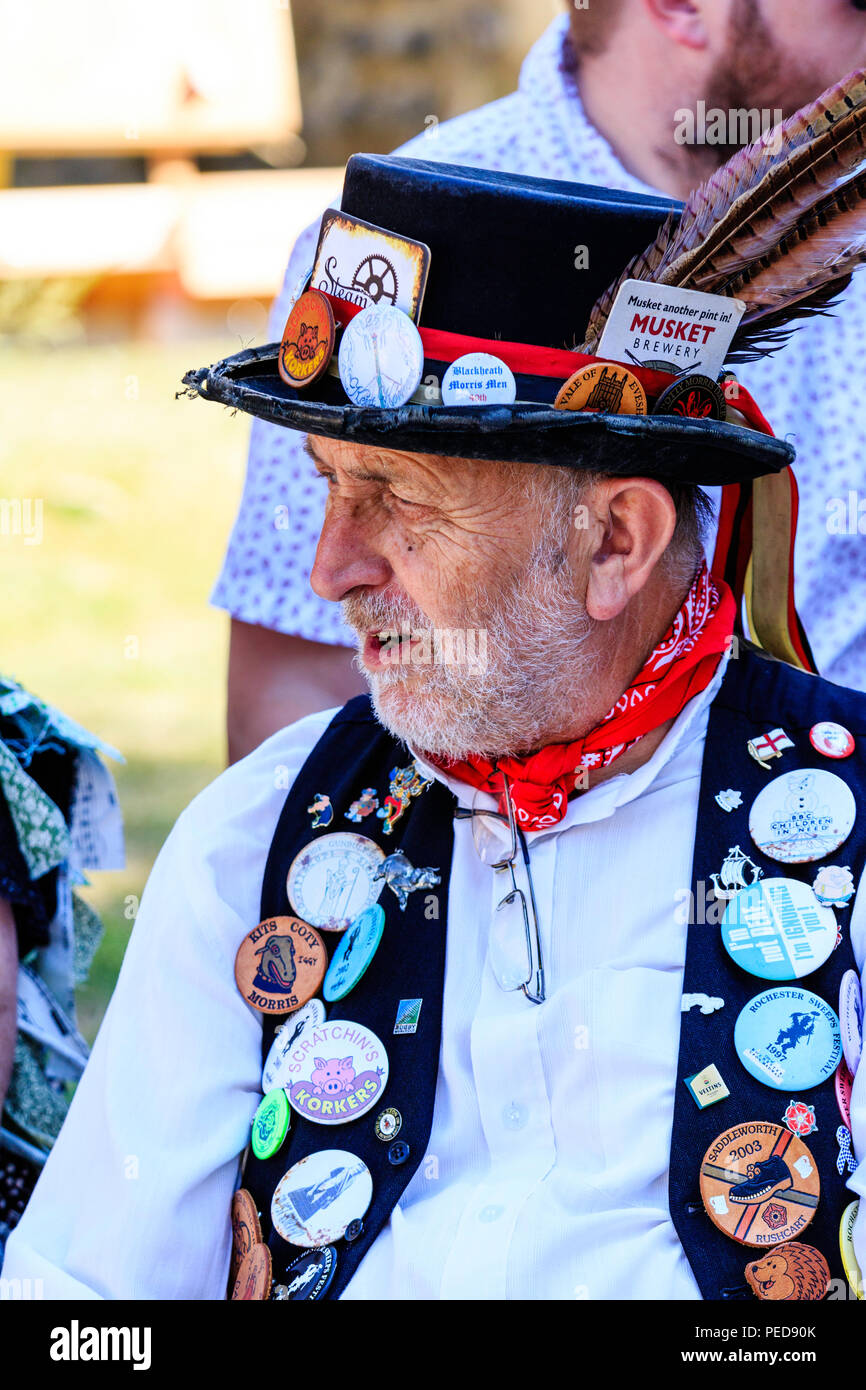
(345, 559)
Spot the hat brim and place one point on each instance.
(671, 448)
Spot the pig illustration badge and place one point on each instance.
(343, 1072)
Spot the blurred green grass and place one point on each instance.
(108, 616)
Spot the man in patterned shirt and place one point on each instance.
(620, 94)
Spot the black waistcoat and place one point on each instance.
(757, 695)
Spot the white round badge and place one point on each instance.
(340, 1075)
(478, 378)
(833, 740)
(278, 1067)
(851, 1019)
(318, 1198)
(381, 357)
(331, 881)
(802, 816)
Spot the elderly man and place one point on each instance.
(517, 1057)
(603, 98)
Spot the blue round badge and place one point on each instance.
(357, 947)
(776, 929)
(788, 1039)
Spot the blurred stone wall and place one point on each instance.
(374, 72)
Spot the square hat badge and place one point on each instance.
(369, 265)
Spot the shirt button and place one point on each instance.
(491, 1213)
(514, 1116)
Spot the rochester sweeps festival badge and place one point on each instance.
(663, 326)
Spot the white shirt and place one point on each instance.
(547, 1170)
(809, 391)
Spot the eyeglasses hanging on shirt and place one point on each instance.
(515, 943)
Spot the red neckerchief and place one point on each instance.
(680, 667)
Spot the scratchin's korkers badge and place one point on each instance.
(663, 326)
(369, 265)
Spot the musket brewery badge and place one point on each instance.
(777, 930)
(332, 880)
(802, 816)
(341, 1073)
(664, 325)
(280, 965)
(759, 1184)
(318, 1198)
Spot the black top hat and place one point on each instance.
(503, 267)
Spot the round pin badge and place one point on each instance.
(253, 1283)
(308, 340)
(776, 929)
(246, 1230)
(343, 1073)
(759, 1184)
(308, 1277)
(802, 816)
(278, 1067)
(357, 947)
(318, 1198)
(788, 1039)
(478, 378)
(843, 1084)
(271, 1124)
(332, 880)
(833, 740)
(388, 1125)
(846, 1248)
(695, 397)
(605, 387)
(381, 357)
(851, 1019)
(790, 1273)
(280, 965)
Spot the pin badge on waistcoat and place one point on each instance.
(478, 378)
(846, 1249)
(253, 1283)
(777, 930)
(388, 1125)
(403, 879)
(321, 810)
(845, 1157)
(333, 879)
(851, 1019)
(279, 1065)
(759, 1184)
(729, 800)
(246, 1231)
(308, 1277)
(308, 340)
(381, 358)
(788, 1039)
(405, 783)
(802, 816)
(833, 740)
(342, 1075)
(843, 1084)
(280, 965)
(707, 1004)
(318, 1198)
(357, 947)
(768, 746)
(791, 1273)
(834, 885)
(364, 806)
(271, 1124)
(799, 1118)
(408, 1013)
(707, 1087)
(738, 871)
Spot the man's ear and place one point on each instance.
(637, 519)
(685, 21)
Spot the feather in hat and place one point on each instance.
(781, 226)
